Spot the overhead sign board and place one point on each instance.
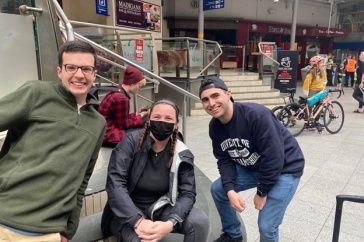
(213, 4)
(101, 7)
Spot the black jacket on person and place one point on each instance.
(125, 168)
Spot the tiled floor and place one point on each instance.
(334, 165)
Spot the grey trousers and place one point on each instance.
(195, 228)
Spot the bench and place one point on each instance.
(90, 223)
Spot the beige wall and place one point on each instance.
(84, 11)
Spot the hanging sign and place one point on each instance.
(139, 50)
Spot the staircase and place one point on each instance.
(246, 87)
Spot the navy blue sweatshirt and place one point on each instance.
(255, 139)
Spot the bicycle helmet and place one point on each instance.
(315, 59)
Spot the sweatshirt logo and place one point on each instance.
(241, 154)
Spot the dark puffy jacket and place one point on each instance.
(126, 166)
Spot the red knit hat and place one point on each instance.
(132, 75)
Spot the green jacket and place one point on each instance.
(47, 158)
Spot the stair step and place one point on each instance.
(243, 83)
(242, 77)
(240, 89)
(256, 95)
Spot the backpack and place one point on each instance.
(98, 91)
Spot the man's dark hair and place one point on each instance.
(73, 47)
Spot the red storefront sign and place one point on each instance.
(268, 51)
(139, 50)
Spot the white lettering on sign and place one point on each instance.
(330, 32)
(279, 30)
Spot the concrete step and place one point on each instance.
(240, 77)
(239, 83)
(242, 89)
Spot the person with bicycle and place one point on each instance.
(316, 78)
(315, 81)
(358, 94)
(253, 149)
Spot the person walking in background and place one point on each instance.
(315, 80)
(340, 76)
(115, 107)
(253, 149)
(329, 69)
(151, 183)
(350, 68)
(358, 94)
(51, 147)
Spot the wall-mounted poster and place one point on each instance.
(138, 14)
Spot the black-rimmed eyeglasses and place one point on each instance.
(87, 70)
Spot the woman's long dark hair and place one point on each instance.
(174, 135)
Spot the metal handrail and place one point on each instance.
(133, 31)
(260, 50)
(123, 67)
(199, 40)
(66, 22)
(145, 71)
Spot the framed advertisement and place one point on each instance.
(287, 70)
(138, 14)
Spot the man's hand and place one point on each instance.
(361, 85)
(236, 201)
(259, 202)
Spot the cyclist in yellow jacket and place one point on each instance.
(316, 78)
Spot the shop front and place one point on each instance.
(309, 40)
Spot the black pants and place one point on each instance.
(195, 228)
(347, 75)
(329, 77)
(358, 96)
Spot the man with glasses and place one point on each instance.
(253, 149)
(52, 144)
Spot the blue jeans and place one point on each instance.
(270, 217)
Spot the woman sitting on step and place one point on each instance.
(151, 184)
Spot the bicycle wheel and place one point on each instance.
(334, 117)
(292, 116)
(276, 110)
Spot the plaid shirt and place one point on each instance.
(115, 109)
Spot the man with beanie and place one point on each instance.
(116, 105)
(253, 149)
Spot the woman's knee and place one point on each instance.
(197, 225)
(199, 219)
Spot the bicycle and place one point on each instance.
(291, 91)
(298, 116)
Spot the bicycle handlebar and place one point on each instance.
(336, 90)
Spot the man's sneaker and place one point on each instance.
(224, 237)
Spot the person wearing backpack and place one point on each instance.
(116, 105)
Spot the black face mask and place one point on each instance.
(161, 130)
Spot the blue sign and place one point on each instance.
(101, 7)
(213, 4)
